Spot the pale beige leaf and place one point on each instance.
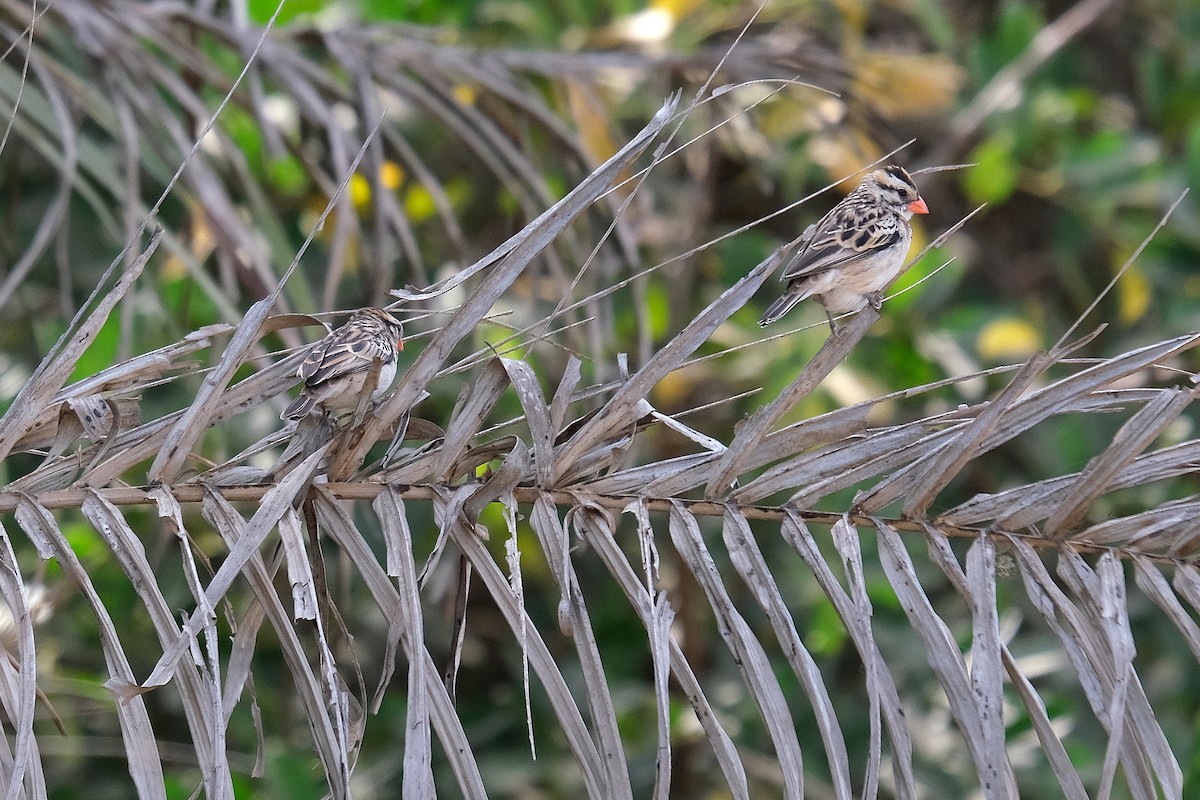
(553, 537)
(594, 525)
(141, 749)
(1133, 437)
(750, 656)
(195, 420)
(19, 680)
(56, 367)
(978, 714)
(748, 560)
(475, 402)
(618, 412)
(329, 738)
(407, 623)
(274, 505)
(595, 776)
(854, 608)
(200, 693)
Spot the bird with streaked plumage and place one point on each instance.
(336, 369)
(851, 255)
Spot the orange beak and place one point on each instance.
(918, 206)
(399, 344)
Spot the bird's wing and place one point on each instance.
(347, 357)
(347, 350)
(312, 362)
(844, 236)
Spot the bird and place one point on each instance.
(851, 255)
(338, 366)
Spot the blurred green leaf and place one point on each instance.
(243, 129)
(260, 11)
(287, 176)
(1018, 23)
(657, 311)
(103, 351)
(1192, 151)
(428, 12)
(995, 174)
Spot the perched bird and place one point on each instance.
(338, 366)
(855, 250)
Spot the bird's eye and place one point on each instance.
(903, 192)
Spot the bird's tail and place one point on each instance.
(300, 407)
(781, 306)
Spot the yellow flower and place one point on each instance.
(1008, 339)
